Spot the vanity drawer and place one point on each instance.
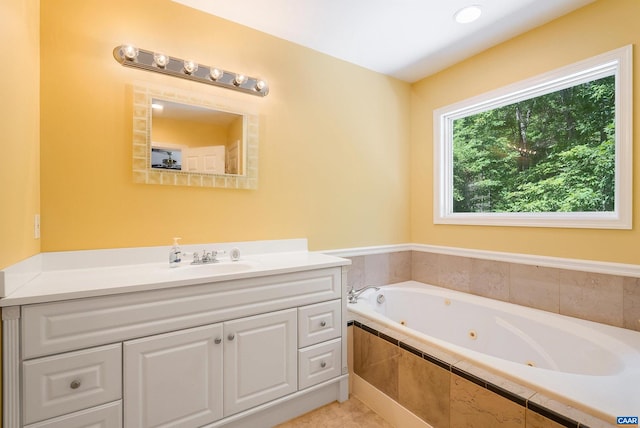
(319, 322)
(65, 383)
(318, 363)
(105, 416)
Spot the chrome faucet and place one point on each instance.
(353, 294)
(206, 258)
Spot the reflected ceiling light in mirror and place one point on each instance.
(468, 14)
(130, 56)
(157, 107)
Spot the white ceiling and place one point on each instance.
(407, 39)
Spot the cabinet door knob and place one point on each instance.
(75, 384)
(323, 364)
(323, 323)
(231, 336)
(217, 340)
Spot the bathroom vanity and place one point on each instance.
(249, 343)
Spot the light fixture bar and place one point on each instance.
(130, 56)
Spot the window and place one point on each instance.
(554, 150)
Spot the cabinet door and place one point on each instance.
(174, 379)
(260, 359)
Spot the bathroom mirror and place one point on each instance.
(184, 139)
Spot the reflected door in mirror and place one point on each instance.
(207, 160)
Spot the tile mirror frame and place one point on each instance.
(142, 144)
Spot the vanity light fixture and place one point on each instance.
(131, 56)
(468, 14)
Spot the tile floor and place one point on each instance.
(350, 414)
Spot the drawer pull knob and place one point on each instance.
(231, 336)
(75, 384)
(217, 340)
(323, 364)
(323, 323)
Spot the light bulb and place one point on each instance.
(130, 52)
(261, 85)
(216, 73)
(161, 60)
(239, 79)
(190, 67)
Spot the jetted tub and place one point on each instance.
(592, 366)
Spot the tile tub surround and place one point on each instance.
(446, 392)
(607, 298)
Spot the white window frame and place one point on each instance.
(618, 63)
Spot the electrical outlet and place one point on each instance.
(36, 226)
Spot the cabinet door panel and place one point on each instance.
(174, 379)
(260, 361)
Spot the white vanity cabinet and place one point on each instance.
(249, 352)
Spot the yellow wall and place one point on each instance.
(20, 127)
(334, 147)
(594, 29)
(334, 138)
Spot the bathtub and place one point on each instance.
(590, 366)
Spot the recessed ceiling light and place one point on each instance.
(467, 14)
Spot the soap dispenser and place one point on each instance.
(175, 255)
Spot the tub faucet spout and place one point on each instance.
(353, 294)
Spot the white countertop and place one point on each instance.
(60, 276)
